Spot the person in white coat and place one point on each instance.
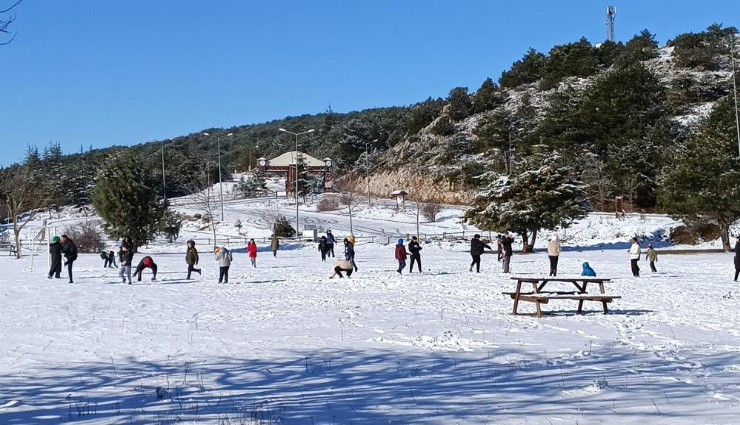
(342, 266)
(553, 253)
(224, 258)
(635, 257)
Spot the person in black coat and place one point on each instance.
(330, 241)
(55, 250)
(126, 255)
(477, 246)
(506, 242)
(109, 259)
(70, 254)
(323, 247)
(415, 250)
(737, 258)
(349, 252)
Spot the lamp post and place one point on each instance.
(220, 185)
(295, 177)
(734, 88)
(250, 156)
(164, 183)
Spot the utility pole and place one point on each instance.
(734, 89)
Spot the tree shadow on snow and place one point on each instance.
(610, 383)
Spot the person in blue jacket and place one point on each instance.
(587, 270)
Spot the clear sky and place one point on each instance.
(112, 72)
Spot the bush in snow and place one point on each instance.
(87, 237)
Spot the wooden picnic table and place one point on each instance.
(539, 296)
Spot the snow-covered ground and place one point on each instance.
(283, 344)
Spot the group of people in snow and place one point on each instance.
(64, 246)
(58, 247)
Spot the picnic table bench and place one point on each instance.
(9, 246)
(538, 296)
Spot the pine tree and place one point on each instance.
(544, 198)
(528, 69)
(125, 199)
(460, 104)
(703, 185)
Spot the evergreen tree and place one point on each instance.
(703, 184)
(640, 48)
(544, 198)
(578, 59)
(487, 97)
(124, 198)
(528, 69)
(460, 104)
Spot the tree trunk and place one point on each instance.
(725, 235)
(530, 246)
(525, 239)
(351, 232)
(418, 210)
(17, 234)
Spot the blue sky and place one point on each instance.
(99, 73)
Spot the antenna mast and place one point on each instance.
(611, 13)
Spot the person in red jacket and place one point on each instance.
(401, 256)
(252, 250)
(146, 263)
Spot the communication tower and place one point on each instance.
(611, 13)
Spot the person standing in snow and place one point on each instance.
(415, 250)
(55, 250)
(252, 251)
(191, 258)
(274, 245)
(499, 248)
(330, 241)
(323, 249)
(126, 256)
(70, 254)
(401, 256)
(652, 256)
(477, 246)
(342, 266)
(146, 263)
(553, 253)
(224, 258)
(634, 252)
(737, 258)
(349, 252)
(506, 242)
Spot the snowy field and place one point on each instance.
(283, 344)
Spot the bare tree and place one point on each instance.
(207, 201)
(5, 22)
(23, 197)
(348, 198)
(431, 210)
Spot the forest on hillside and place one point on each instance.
(656, 126)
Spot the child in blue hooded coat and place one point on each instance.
(401, 256)
(588, 271)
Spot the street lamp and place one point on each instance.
(220, 185)
(164, 183)
(250, 156)
(295, 177)
(734, 88)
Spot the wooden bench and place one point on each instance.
(9, 246)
